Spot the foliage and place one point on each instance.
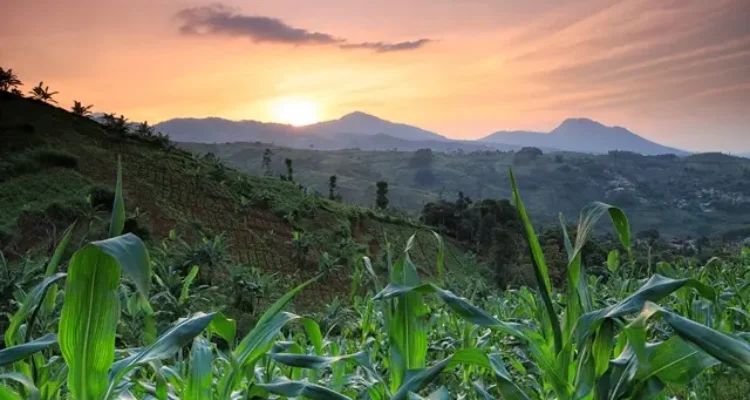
(8, 80)
(41, 92)
(79, 109)
(381, 199)
(620, 339)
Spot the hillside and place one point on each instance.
(585, 136)
(697, 195)
(51, 160)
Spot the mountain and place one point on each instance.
(334, 134)
(586, 136)
(365, 124)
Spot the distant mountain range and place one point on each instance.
(586, 136)
(368, 132)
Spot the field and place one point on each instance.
(620, 338)
(133, 269)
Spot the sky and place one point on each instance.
(674, 71)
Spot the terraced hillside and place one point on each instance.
(52, 160)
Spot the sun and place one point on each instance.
(295, 111)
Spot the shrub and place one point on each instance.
(56, 158)
(101, 196)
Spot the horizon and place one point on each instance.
(677, 74)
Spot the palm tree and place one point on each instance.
(118, 125)
(8, 80)
(81, 110)
(144, 129)
(41, 92)
(17, 92)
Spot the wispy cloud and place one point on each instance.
(221, 20)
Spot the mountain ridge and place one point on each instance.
(586, 136)
(360, 129)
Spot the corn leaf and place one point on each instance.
(416, 380)
(540, 266)
(308, 390)
(117, 224)
(198, 386)
(186, 284)
(33, 300)
(225, 327)
(10, 355)
(88, 321)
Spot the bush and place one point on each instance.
(137, 226)
(102, 196)
(55, 158)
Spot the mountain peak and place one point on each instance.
(579, 123)
(359, 116)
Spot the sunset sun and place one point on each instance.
(295, 112)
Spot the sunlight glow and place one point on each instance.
(295, 111)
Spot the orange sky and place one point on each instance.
(675, 71)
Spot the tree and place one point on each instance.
(289, 170)
(423, 158)
(425, 177)
(41, 92)
(332, 187)
(81, 110)
(381, 199)
(8, 80)
(118, 125)
(267, 162)
(144, 129)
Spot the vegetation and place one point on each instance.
(81, 110)
(41, 92)
(8, 80)
(190, 294)
(381, 199)
(696, 195)
(619, 341)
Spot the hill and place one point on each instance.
(586, 136)
(702, 194)
(335, 134)
(51, 161)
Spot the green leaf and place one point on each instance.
(28, 384)
(407, 331)
(494, 363)
(10, 355)
(118, 207)
(460, 306)
(198, 386)
(186, 284)
(49, 299)
(613, 261)
(290, 389)
(540, 265)
(416, 380)
(32, 301)
(169, 343)
(657, 288)
(440, 256)
(225, 327)
(131, 254)
(313, 334)
(88, 320)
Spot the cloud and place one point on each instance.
(221, 20)
(381, 47)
